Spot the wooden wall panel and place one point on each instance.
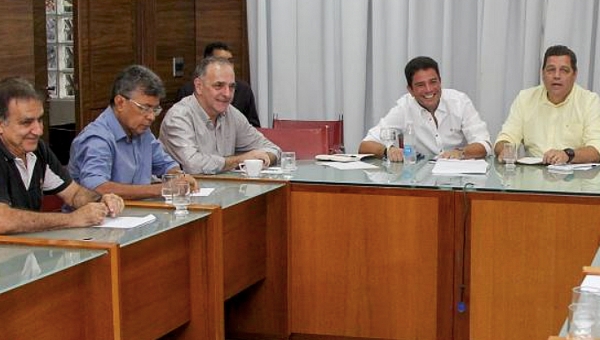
(17, 36)
(174, 37)
(224, 21)
(106, 36)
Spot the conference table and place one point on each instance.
(395, 252)
(224, 264)
(28, 311)
(392, 252)
(150, 270)
(250, 251)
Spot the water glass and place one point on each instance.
(586, 295)
(181, 196)
(166, 190)
(582, 317)
(509, 154)
(288, 162)
(388, 136)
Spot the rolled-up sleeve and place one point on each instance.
(474, 128)
(248, 138)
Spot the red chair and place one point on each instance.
(336, 130)
(51, 203)
(307, 143)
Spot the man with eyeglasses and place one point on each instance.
(205, 133)
(117, 152)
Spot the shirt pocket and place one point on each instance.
(572, 135)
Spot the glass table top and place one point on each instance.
(20, 265)
(165, 220)
(228, 193)
(522, 178)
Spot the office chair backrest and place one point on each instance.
(307, 143)
(336, 130)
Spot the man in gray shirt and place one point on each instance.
(205, 133)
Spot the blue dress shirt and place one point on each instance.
(103, 152)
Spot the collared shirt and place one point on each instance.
(22, 186)
(458, 123)
(200, 146)
(103, 152)
(243, 99)
(541, 125)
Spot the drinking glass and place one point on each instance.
(288, 162)
(509, 154)
(181, 196)
(582, 317)
(586, 295)
(388, 136)
(167, 183)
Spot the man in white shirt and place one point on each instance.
(445, 121)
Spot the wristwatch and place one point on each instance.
(385, 151)
(570, 153)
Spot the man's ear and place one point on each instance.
(119, 102)
(197, 85)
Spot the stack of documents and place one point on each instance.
(459, 166)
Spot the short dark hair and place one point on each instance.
(15, 88)
(137, 77)
(201, 68)
(217, 45)
(417, 64)
(560, 50)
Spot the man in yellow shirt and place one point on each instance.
(558, 121)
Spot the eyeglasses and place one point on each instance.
(146, 109)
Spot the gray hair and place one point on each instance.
(15, 88)
(200, 71)
(137, 77)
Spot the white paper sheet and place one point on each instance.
(459, 166)
(203, 192)
(126, 222)
(350, 165)
(591, 281)
(530, 160)
(572, 167)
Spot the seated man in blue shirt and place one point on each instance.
(117, 152)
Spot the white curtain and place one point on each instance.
(317, 59)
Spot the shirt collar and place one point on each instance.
(114, 125)
(203, 115)
(9, 156)
(564, 102)
(442, 106)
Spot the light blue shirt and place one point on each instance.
(102, 152)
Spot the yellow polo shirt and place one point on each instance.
(541, 125)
